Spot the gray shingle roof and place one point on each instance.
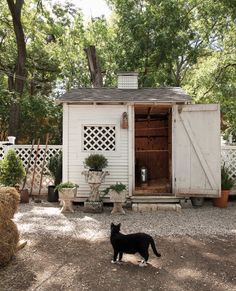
(164, 94)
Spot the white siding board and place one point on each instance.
(65, 156)
(117, 160)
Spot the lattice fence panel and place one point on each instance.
(228, 155)
(31, 157)
(99, 138)
(2, 151)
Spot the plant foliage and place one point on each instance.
(12, 170)
(66, 185)
(226, 181)
(96, 162)
(55, 168)
(118, 187)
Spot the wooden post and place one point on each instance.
(28, 165)
(44, 158)
(35, 162)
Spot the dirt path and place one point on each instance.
(186, 264)
(52, 261)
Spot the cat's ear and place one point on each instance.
(112, 224)
(119, 225)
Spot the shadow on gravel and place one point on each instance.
(62, 263)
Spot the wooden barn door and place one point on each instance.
(196, 150)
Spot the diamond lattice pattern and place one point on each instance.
(33, 161)
(229, 158)
(99, 138)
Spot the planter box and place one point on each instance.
(94, 177)
(52, 194)
(93, 206)
(66, 195)
(117, 197)
(24, 196)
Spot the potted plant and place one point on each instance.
(226, 184)
(12, 171)
(55, 168)
(117, 194)
(94, 176)
(67, 191)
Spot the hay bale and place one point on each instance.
(9, 201)
(9, 238)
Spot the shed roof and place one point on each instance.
(164, 94)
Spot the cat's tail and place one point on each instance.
(154, 248)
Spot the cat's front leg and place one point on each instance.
(143, 263)
(114, 257)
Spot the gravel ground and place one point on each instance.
(45, 218)
(73, 252)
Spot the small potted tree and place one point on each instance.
(226, 184)
(94, 177)
(117, 193)
(55, 168)
(67, 191)
(12, 171)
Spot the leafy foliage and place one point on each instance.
(226, 181)
(66, 185)
(118, 187)
(96, 162)
(55, 168)
(11, 169)
(170, 43)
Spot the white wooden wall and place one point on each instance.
(74, 118)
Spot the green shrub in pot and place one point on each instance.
(55, 168)
(226, 181)
(96, 162)
(12, 171)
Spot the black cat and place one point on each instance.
(131, 244)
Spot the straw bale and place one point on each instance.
(9, 201)
(9, 238)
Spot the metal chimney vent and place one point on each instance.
(128, 80)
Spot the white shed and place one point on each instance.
(176, 141)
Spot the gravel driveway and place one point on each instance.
(72, 251)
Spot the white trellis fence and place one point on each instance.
(228, 155)
(28, 157)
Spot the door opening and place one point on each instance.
(153, 150)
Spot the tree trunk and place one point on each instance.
(94, 66)
(17, 83)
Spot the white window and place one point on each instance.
(99, 138)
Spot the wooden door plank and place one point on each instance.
(198, 151)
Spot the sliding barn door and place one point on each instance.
(196, 150)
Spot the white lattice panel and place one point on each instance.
(1, 152)
(30, 157)
(99, 138)
(228, 154)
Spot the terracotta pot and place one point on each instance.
(24, 196)
(223, 200)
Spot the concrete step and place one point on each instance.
(154, 199)
(150, 207)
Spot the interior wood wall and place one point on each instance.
(152, 147)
